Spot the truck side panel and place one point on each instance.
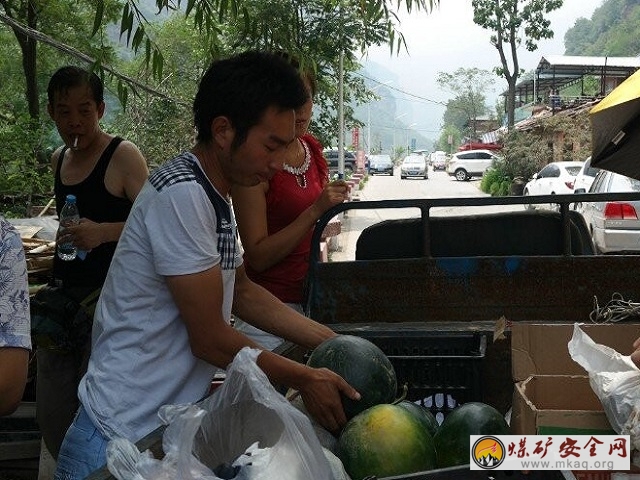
(549, 288)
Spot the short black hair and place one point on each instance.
(69, 77)
(242, 88)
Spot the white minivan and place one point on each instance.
(438, 160)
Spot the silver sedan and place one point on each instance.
(614, 226)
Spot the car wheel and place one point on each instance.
(528, 206)
(461, 175)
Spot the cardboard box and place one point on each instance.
(541, 349)
(552, 394)
(557, 404)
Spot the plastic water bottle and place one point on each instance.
(69, 215)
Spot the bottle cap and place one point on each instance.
(71, 198)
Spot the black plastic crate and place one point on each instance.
(440, 369)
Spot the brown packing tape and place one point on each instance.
(499, 329)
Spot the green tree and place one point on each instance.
(31, 21)
(456, 115)
(313, 30)
(513, 22)
(611, 31)
(187, 53)
(362, 23)
(449, 132)
(27, 141)
(468, 85)
(144, 121)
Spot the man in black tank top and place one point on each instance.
(105, 174)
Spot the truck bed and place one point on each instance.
(439, 282)
(432, 293)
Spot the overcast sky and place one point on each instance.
(447, 39)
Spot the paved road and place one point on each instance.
(384, 187)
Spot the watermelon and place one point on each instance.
(424, 415)
(363, 365)
(473, 418)
(385, 440)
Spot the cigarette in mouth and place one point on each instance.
(75, 142)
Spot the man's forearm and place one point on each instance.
(257, 306)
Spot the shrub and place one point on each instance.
(492, 181)
(523, 155)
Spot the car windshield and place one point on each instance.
(380, 160)
(412, 160)
(589, 171)
(573, 171)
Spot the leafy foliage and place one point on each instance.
(495, 182)
(612, 30)
(452, 131)
(525, 153)
(24, 175)
(274, 24)
(469, 103)
(512, 23)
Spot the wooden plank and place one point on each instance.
(19, 434)
(27, 231)
(20, 450)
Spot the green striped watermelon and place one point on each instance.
(385, 440)
(473, 418)
(424, 415)
(363, 365)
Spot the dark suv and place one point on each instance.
(332, 161)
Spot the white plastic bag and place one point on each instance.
(125, 462)
(244, 423)
(615, 379)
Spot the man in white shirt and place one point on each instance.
(161, 328)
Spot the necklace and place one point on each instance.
(299, 172)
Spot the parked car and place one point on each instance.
(470, 163)
(585, 177)
(614, 226)
(380, 164)
(554, 178)
(414, 166)
(332, 160)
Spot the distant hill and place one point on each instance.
(613, 30)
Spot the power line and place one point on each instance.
(390, 87)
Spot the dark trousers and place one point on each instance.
(58, 376)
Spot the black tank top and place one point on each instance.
(97, 204)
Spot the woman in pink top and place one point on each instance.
(276, 218)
